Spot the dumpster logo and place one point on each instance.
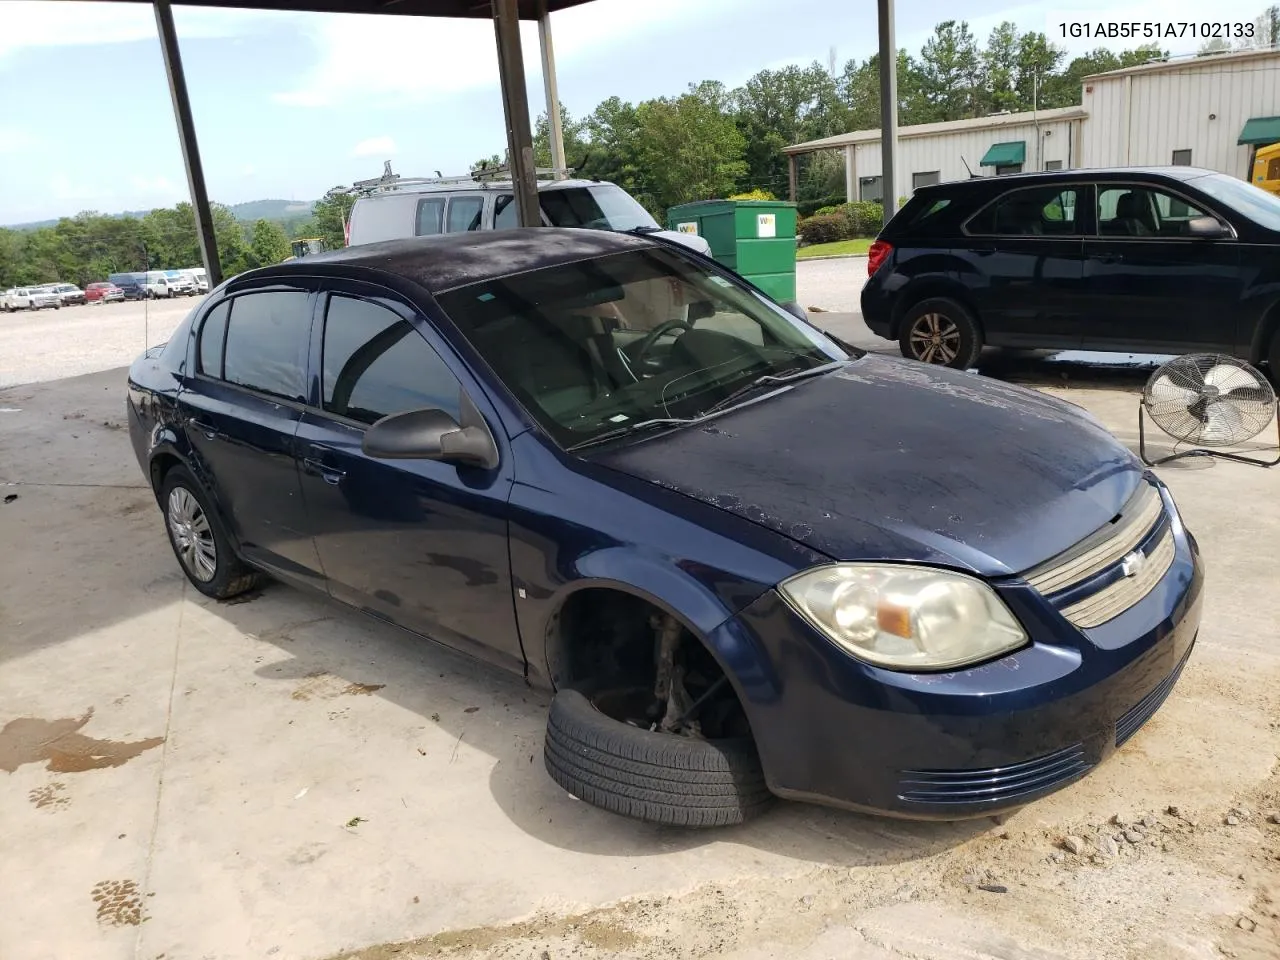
(766, 225)
(690, 226)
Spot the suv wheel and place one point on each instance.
(199, 540)
(941, 331)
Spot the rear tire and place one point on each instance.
(199, 538)
(940, 331)
(657, 777)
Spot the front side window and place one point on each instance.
(464, 214)
(603, 344)
(266, 342)
(505, 214)
(375, 363)
(1031, 212)
(430, 219)
(1126, 210)
(601, 207)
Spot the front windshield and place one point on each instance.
(1255, 203)
(602, 345)
(601, 206)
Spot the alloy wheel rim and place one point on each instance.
(935, 338)
(192, 535)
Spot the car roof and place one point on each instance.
(478, 186)
(1075, 176)
(453, 260)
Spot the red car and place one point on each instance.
(104, 292)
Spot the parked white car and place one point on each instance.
(68, 293)
(31, 298)
(156, 283)
(180, 282)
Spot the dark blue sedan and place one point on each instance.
(750, 561)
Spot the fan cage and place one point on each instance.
(1209, 399)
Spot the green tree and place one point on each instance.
(951, 72)
(690, 148)
(859, 88)
(1000, 68)
(331, 214)
(269, 244)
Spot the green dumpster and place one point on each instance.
(756, 238)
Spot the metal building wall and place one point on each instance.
(1140, 118)
(947, 152)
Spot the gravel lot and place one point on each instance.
(51, 344)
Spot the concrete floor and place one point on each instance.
(281, 777)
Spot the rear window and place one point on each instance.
(926, 214)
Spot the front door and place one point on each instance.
(242, 406)
(1150, 285)
(1024, 267)
(420, 543)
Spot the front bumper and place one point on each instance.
(838, 731)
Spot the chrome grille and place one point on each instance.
(1105, 547)
(1113, 600)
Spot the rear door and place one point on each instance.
(1023, 263)
(1151, 286)
(420, 543)
(241, 410)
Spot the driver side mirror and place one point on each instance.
(1207, 228)
(797, 311)
(431, 434)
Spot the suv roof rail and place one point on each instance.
(482, 175)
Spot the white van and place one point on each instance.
(397, 208)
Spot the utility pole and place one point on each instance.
(888, 108)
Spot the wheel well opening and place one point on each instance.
(940, 289)
(642, 665)
(160, 466)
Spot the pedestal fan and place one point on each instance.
(1211, 401)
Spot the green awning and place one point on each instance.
(1005, 154)
(1260, 131)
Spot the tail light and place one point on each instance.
(877, 255)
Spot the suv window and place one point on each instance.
(266, 343)
(1030, 212)
(464, 214)
(375, 363)
(1125, 210)
(430, 219)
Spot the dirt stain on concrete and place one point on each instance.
(604, 930)
(49, 797)
(322, 685)
(61, 746)
(119, 903)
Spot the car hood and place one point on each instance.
(691, 240)
(892, 460)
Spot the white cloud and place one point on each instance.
(391, 60)
(38, 23)
(375, 147)
(160, 186)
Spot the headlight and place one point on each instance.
(905, 618)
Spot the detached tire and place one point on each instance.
(942, 332)
(657, 777)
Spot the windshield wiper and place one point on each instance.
(630, 428)
(769, 379)
(642, 230)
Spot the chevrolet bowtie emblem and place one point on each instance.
(1132, 565)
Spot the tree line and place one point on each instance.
(710, 141)
(91, 246)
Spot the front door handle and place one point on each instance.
(328, 474)
(1109, 257)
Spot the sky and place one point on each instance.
(287, 105)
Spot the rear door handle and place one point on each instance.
(1109, 257)
(211, 433)
(328, 474)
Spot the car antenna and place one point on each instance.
(972, 175)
